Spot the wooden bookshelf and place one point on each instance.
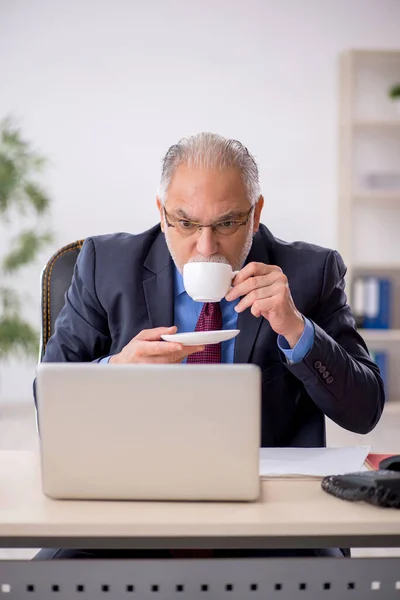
(369, 213)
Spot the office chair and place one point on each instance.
(54, 282)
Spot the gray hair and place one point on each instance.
(210, 151)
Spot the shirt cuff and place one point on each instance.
(303, 346)
(104, 360)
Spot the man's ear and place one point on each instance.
(160, 210)
(257, 213)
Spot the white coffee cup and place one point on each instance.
(207, 281)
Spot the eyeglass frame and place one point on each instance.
(200, 226)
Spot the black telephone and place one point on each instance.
(381, 487)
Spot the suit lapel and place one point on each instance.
(158, 284)
(248, 324)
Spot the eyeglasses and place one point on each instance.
(187, 228)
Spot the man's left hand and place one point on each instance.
(265, 289)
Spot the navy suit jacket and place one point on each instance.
(123, 283)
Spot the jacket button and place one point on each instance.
(325, 375)
(329, 380)
(322, 369)
(317, 364)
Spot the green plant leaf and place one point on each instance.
(10, 302)
(11, 135)
(22, 195)
(17, 337)
(38, 162)
(37, 197)
(9, 182)
(26, 247)
(394, 91)
(18, 163)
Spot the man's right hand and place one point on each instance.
(148, 347)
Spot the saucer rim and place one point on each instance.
(171, 337)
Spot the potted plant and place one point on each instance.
(23, 205)
(394, 94)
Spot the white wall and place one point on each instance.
(104, 87)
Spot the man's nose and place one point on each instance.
(207, 244)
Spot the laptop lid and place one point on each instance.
(154, 432)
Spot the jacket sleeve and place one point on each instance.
(338, 373)
(81, 328)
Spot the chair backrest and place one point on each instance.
(55, 281)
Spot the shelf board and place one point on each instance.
(373, 267)
(390, 125)
(378, 197)
(374, 54)
(380, 335)
(392, 404)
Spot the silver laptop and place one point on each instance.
(149, 432)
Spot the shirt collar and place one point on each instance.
(179, 287)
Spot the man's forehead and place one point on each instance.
(196, 180)
(197, 190)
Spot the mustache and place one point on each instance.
(214, 258)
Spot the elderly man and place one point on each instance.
(288, 299)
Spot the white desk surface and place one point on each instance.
(287, 509)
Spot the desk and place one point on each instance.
(290, 513)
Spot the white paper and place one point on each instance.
(312, 462)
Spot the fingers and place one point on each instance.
(170, 350)
(254, 283)
(148, 347)
(152, 335)
(262, 307)
(170, 359)
(166, 353)
(184, 353)
(271, 291)
(254, 269)
(159, 348)
(188, 350)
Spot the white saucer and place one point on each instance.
(201, 337)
